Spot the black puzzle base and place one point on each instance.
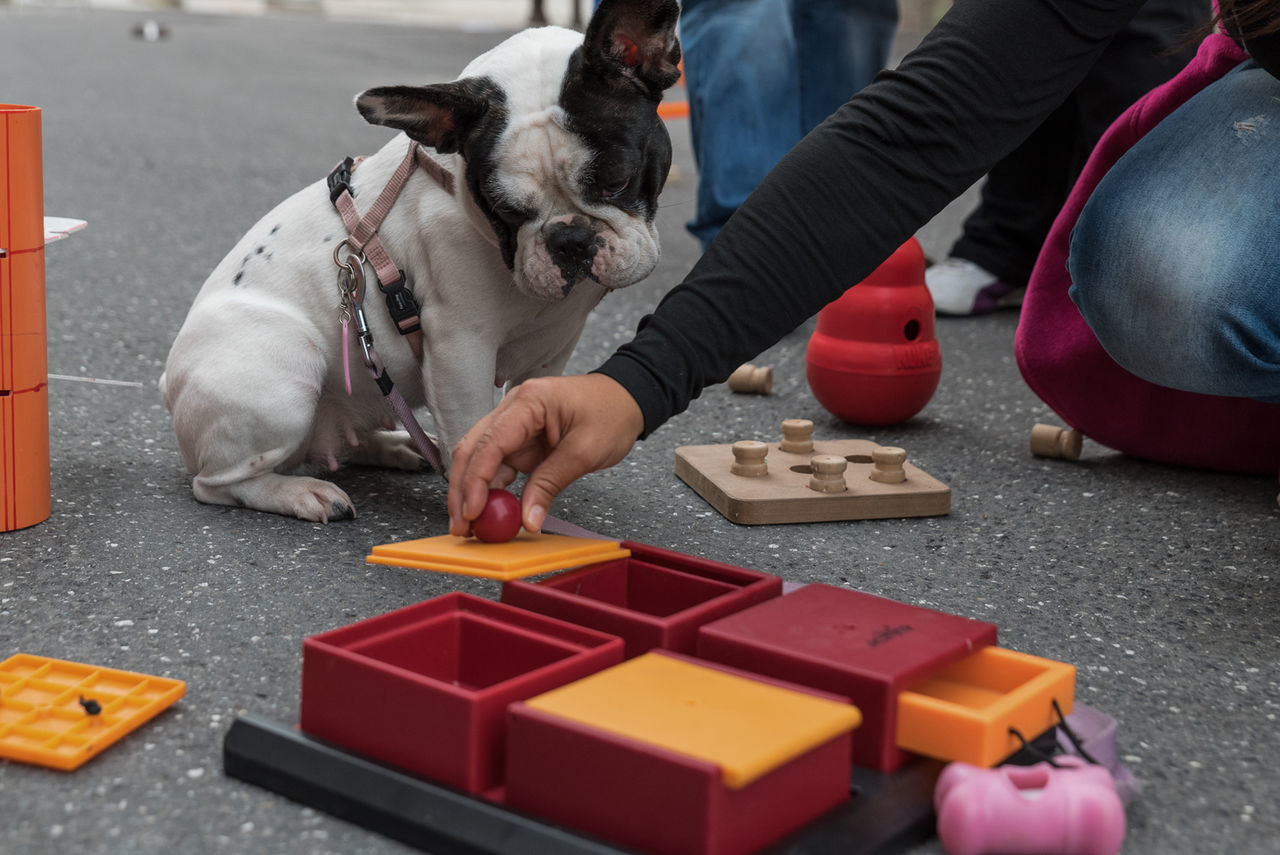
(885, 814)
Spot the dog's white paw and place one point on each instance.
(290, 495)
(320, 501)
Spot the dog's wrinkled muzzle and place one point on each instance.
(572, 248)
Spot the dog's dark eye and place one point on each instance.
(510, 215)
(615, 189)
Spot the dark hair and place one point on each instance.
(1242, 19)
(1246, 19)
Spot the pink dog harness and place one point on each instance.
(362, 231)
(363, 244)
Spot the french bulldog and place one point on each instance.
(548, 159)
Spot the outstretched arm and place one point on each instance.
(861, 183)
(836, 206)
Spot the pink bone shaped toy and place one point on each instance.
(1029, 810)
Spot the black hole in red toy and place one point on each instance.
(911, 330)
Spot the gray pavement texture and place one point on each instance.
(1158, 583)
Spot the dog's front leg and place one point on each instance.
(459, 389)
(552, 367)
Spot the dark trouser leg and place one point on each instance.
(1024, 192)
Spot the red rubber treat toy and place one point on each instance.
(500, 519)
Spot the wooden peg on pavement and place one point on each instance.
(1054, 441)
(752, 379)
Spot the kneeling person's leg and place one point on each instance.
(1175, 260)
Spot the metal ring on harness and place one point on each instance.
(353, 255)
(353, 264)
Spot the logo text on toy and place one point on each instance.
(889, 633)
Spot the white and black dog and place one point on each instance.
(548, 158)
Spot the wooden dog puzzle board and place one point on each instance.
(783, 494)
(60, 714)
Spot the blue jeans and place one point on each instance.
(760, 74)
(1175, 260)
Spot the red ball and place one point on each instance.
(500, 519)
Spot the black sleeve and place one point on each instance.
(860, 184)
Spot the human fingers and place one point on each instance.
(479, 458)
(595, 429)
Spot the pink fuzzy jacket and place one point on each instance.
(1065, 365)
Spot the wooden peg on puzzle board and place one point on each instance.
(828, 473)
(887, 465)
(749, 458)
(1053, 441)
(752, 379)
(797, 436)
(780, 492)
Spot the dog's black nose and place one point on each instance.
(570, 245)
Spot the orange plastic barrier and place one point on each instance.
(24, 379)
(673, 110)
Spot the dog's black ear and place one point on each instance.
(635, 40)
(439, 116)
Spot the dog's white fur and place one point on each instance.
(255, 377)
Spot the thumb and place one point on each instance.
(558, 470)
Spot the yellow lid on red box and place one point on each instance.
(746, 727)
(60, 714)
(527, 555)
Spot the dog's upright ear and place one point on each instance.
(440, 115)
(633, 42)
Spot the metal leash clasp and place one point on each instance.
(351, 288)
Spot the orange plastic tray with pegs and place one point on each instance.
(61, 714)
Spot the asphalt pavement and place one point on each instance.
(1158, 583)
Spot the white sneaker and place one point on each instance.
(960, 287)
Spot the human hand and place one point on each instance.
(557, 429)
